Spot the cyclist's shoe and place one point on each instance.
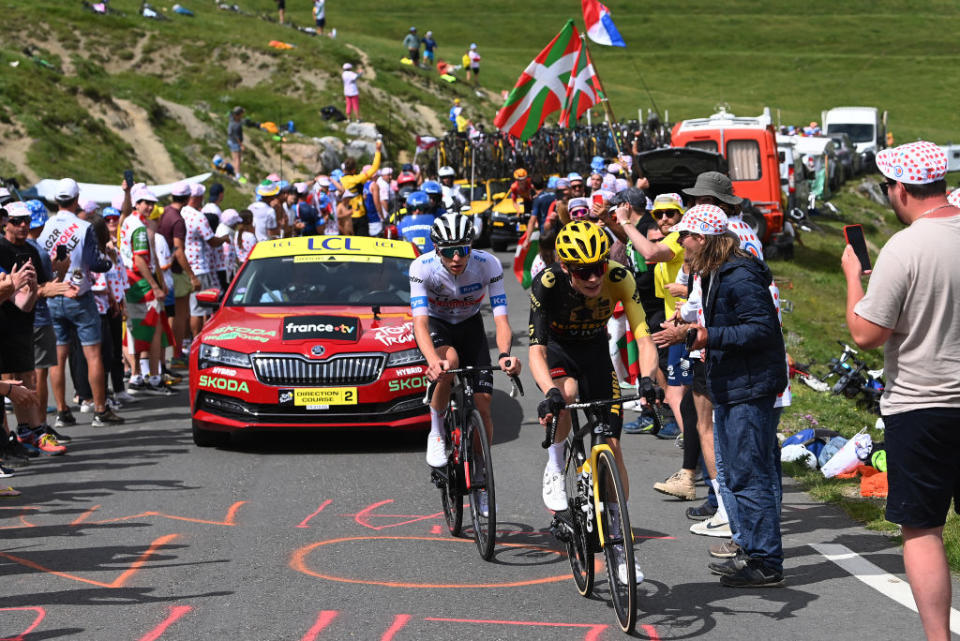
(483, 506)
(753, 575)
(679, 485)
(105, 418)
(725, 550)
(701, 512)
(65, 419)
(713, 526)
(436, 451)
(554, 493)
(622, 567)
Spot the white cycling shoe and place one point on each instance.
(436, 451)
(622, 572)
(554, 493)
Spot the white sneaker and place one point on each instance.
(554, 493)
(86, 407)
(622, 572)
(713, 526)
(125, 397)
(436, 451)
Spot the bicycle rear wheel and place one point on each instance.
(450, 491)
(479, 468)
(617, 541)
(579, 552)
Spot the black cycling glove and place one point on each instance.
(552, 404)
(649, 391)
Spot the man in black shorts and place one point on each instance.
(911, 309)
(570, 304)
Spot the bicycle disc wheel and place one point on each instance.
(450, 493)
(617, 541)
(579, 552)
(480, 466)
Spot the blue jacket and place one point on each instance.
(746, 357)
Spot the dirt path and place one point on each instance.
(369, 72)
(16, 144)
(185, 116)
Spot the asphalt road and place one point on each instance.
(136, 534)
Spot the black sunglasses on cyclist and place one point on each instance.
(585, 273)
(885, 187)
(660, 213)
(451, 252)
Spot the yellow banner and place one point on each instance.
(325, 396)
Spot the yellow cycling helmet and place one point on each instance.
(520, 174)
(582, 243)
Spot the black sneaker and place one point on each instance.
(13, 452)
(65, 419)
(729, 567)
(62, 438)
(137, 387)
(701, 512)
(160, 389)
(105, 418)
(752, 575)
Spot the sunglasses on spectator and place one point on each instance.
(660, 213)
(18, 220)
(452, 252)
(886, 185)
(682, 234)
(579, 213)
(585, 273)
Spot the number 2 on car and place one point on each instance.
(325, 396)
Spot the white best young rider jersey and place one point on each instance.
(434, 291)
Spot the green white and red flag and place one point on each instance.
(542, 87)
(583, 89)
(527, 249)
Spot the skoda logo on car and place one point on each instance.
(317, 350)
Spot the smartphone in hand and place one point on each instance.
(128, 177)
(856, 239)
(61, 252)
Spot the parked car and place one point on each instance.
(866, 126)
(749, 146)
(794, 179)
(847, 154)
(313, 332)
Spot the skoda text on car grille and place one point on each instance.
(313, 333)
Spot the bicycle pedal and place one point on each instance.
(439, 478)
(560, 528)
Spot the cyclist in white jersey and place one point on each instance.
(447, 288)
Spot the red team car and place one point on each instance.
(313, 332)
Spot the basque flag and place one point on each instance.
(600, 27)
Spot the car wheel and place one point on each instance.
(207, 438)
(757, 223)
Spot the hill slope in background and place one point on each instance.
(154, 94)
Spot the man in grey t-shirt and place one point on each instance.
(235, 137)
(911, 309)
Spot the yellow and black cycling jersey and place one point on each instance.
(559, 313)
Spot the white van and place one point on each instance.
(866, 126)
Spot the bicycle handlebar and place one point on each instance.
(552, 428)
(470, 369)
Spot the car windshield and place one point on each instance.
(857, 133)
(322, 280)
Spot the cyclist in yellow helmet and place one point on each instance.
(570, 304)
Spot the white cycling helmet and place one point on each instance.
(451, 230)
(446, 172)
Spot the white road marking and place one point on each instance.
(874, 576)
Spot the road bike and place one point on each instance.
(469, 468)
(597, 519)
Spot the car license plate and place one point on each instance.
(314, 396)
(497, 223)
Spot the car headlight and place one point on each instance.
(406, 357)
(216, 355)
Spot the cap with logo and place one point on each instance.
(915, 163)
(708, 220)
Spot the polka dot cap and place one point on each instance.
(708, 220)
(916, 163)
(954, 198)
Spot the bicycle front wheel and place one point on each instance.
(579, 552)
(617, 541)
(479, 469)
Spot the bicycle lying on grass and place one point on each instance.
(469, 468)
(597, 518)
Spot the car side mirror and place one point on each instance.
(210, 298)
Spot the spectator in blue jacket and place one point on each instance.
(744, 363)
